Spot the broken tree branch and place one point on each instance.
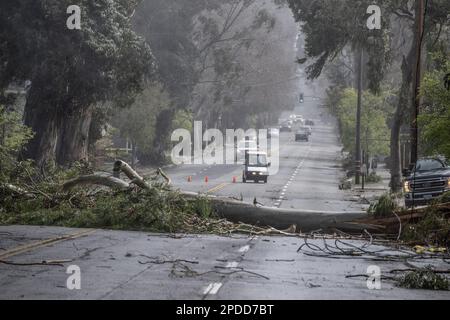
(165, 176)
(43, 263)
(121, 166)
(17, 190)
(110, 182)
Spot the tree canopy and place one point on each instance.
(70, 70)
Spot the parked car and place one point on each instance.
(302, 135)
(428, 179)
(256, 167)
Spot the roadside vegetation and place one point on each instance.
(428, 226)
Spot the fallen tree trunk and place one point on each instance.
(304, 220)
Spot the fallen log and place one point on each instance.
(305, 220)
(107, 181)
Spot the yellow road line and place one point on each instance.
(43, 243)
(218, 188)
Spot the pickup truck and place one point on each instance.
(429, 179)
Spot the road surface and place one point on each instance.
(309, 174)
(137, 265)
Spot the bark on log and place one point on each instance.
(121, 166)
(110, 182)
(304, 220)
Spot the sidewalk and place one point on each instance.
(373, 191)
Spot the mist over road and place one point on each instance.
(309, 172)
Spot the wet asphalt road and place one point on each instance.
(309, 173)
(137, 265)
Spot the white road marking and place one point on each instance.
(232, 265)
(244, 249)
(213, 288)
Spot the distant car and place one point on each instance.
(309, 123)
(302, 135)
(299, 120)
(286, 127)
(307, 129)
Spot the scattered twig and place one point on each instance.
(280, 260)
(156, 260)
(43, 263)
(367, 277)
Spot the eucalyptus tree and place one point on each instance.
(71, 71)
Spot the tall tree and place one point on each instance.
(71, 70)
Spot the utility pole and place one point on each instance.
(358, 117)
(420, 21)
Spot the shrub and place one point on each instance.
(384, 207)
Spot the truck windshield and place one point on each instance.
(257, 160)
(429, 165)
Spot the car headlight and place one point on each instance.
(254, 173)
(448, 183)
(406, 187)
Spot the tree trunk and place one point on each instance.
(402, 107)
(41, 115)
(162, 135)
(73, 142)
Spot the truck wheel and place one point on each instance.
(265, 180)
